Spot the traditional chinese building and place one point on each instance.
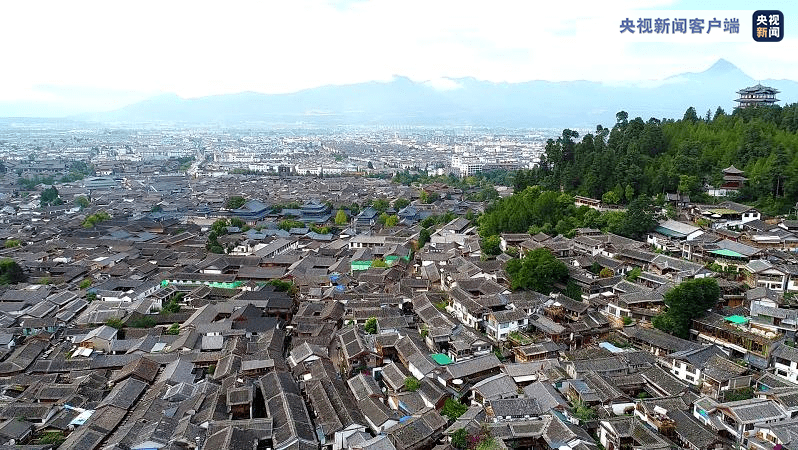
(733, 178)
(756, 96)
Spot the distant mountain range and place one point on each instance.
(466, 102)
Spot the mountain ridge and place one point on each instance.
(536, 103)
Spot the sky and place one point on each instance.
(62, 57)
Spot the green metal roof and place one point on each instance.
(361, 265)
(739, 320)
(441, 359)
(727, 252)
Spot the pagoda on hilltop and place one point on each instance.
(757, 96)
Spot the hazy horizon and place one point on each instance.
(68, 59)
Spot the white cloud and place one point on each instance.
(196, 48)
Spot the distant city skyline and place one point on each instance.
(66, 58)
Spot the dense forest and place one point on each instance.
(652, 157)
(536, 210)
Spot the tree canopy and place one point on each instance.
(453, 409)
(82, 201)
(49, 197)
(539, 271)
(637, 157)
(340, 217)
(93, 219)
(381, 205)
(371, 325)
(400, 203)
(235, 202)
(537, 210)
(412, 384)
(491, 245)
(690, 299)
(10, 272)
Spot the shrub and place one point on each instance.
(115, 322)
(627, 320)
(142, 322)
(371, 325)
(453, 409)
(412, 384)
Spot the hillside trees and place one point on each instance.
(645, 158)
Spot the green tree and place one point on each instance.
(85, 284)
(388, 220)
(381, 205)
(453, 409)
(491, 245)
(638, 220)
(690, 115)
(10, 272)
(371, 325)
(11, 243)
(689, 185)
(340, 217)
(115, 322)
(573, 290)
(627, 320)
(427, 197)
(238, 223)
(539, 271)
(92, 220)
(49, 197)
(412, 384)
(583, 412)
(172, 305)
(423, 237)
(287, 224)
(235, 202)
(460, 439)
(400, 203)
(281, 286)
(629, 193)
(82, 201)
(689, 300)
(611, 198)
(634, 274)
(173, 330)
(379, 263)
(142, 322)
(54, 438)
